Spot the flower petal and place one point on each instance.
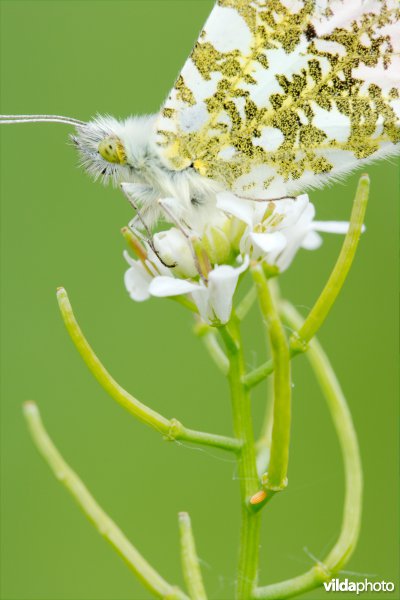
(131, 261)
(333, 226)
(237, 207)
(201, 299)
(312, 241)
(294, 211)
(137, 281)
(222, 282)
(269, 242)
(164, 286)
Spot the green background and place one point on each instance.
(58, 228)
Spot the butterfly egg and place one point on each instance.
(258, 497)
(112, 150)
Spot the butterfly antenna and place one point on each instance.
(9, 119)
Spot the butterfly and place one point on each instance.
(277, 97)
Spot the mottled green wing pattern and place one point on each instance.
(281, 95)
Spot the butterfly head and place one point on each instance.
(102, 149)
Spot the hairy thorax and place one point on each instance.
(125, 152)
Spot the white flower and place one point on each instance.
(276, 230)
(206, 264)
(213, 299)
(137, 279)
(213, 294)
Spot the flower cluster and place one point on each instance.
(206, 265)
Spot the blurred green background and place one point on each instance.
(58, 228)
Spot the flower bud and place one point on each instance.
(234, 229)
(174, 249)
(217, 245)
(134, 244)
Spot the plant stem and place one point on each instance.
(276, 478)
(258, 374)
(106, 527)
(184, 301)
(263, 444)
(171, 428)
(190, 561)
(323, 305)
(320, 310)
(245, 305)
(178, 432)
(343, 423)
(209, 336)
(215, 351)
(247, 471)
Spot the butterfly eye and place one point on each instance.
(112, 150)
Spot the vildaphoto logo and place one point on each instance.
(335, 585)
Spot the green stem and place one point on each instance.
(184, 301)
(210, 341)
(341, 416)
(319, 312)
(190, 561)
(247, 472)
(209, 336)
(276, 478)
(178, 432)
(258, 374)
(263, 444)
(170, 428)
(245, 305)
(323, 305)
(105, 526)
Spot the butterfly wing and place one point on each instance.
(281, 95)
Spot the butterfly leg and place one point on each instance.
(270, 199)
(180, 224)
(139, 219)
